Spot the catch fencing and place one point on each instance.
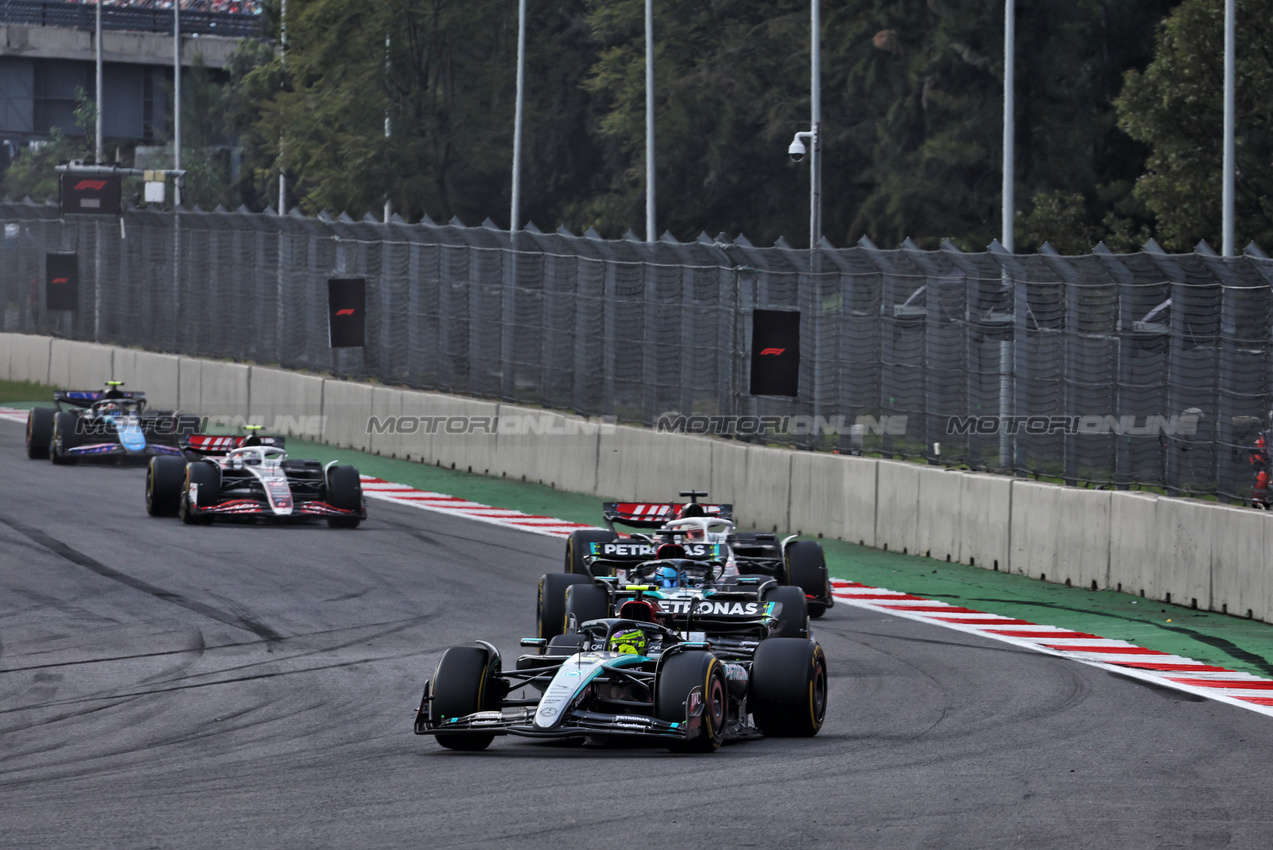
(1146, 369)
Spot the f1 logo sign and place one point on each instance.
(347, 312)
(90, 185)
(773, 351)
(62, 273)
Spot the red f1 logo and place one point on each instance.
(773, 351)
(348, 311)
(93, 185)
(57, 280)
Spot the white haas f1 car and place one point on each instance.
(111, 425)
(697, 526)
(252, 478)
(629, 677)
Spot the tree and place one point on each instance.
(33, 175)
(1176, 108)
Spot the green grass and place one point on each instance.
(16, 391)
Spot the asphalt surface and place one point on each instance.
(231, 686)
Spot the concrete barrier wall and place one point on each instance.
(897, 507)
(285, 402)
(985, 512)
(1133, 543)
(157, 375)
(346, 406)
(30, 358)
(1184, 551)
(937, 530)
(1239, 548)
(1155, 546)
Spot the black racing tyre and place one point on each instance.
(807, 569)
(39, 432)
(165, 481)
(344, 490)
(463, 684)
(204, 479)
(788, 691)
(550, 612)
(795, 613)
(678, 676)
(577, 547)
(64, 437)
(586, 602)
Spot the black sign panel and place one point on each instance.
(347, 312)
(775, 353)
(92, 194)
(62, 281)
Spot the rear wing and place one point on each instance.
(85, 398)
(625, 553)
(214, 444)
(647, 515)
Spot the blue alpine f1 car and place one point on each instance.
(109, 425)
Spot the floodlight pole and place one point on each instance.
(1230, 69)
(97, 40)
(176, 97)
(514, 215)
(651, 234)
(815, 118)
(1009, 122)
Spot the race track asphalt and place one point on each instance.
(252, 686)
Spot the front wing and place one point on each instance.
(261, 507)
(116, 451)
(579, 723)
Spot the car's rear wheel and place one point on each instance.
(807, 569)
(577, 548)
(64, 437)
(202, 490)
(344, 490)
(788, 691)
(586, 602)
(794, 615)
(678, 679)
(464, 683)
(165, 478)
(39, 432)
(550, 612)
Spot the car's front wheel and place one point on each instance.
(688, 682)
(165, 479)
(464, 683)
(788, 690)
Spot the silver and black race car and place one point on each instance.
(690, 584)
(111, 425)
(789, 561)
(251, 477)
(629, 677)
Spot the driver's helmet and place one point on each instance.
(667, 576)
(628, 642)
(109, 409)
(695, 532)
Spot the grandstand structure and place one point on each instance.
(47, 54)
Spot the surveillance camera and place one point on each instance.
(797, 150)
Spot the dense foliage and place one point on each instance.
(1118, 125)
